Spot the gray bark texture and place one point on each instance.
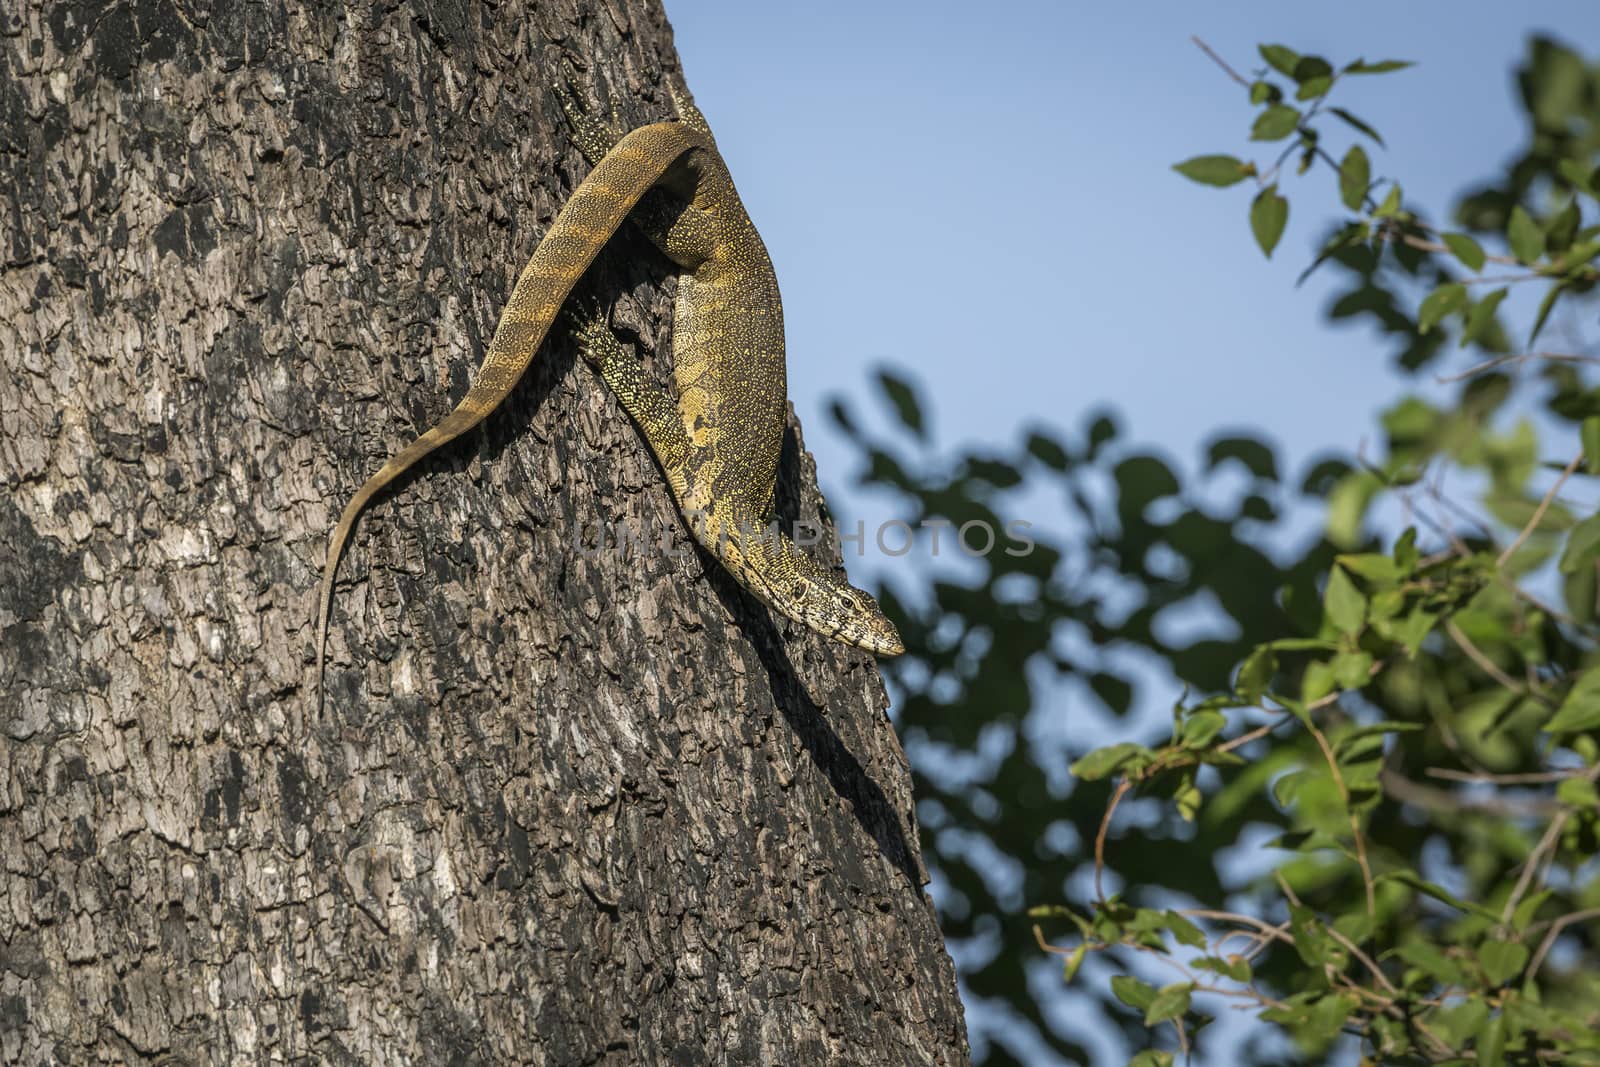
(562, 806)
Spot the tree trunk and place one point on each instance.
(562, 805)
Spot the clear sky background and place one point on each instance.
(981, 197)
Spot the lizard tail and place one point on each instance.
(581, 228)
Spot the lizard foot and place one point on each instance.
(596, 343)
(688, 114)
(594, 136)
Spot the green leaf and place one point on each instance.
(1347, 236)
(1545, 307)
(1590, 433)
(1347, 506)
(1345, 605)
(904, 398)
(1269, 214)
(1467, 250)
(1328, 1017)
(1361, 66)
(1371, 567)
(1312, 88)
(1151, 1057)
(1351, 669)
(1577, 175)
(1581, 708)
(1275, 123)
(1581, 591)
(1528, 909)
(1391, 203)
(1490, 1045)
(1048, 450)
(1428, 959)
(1460, 1021)
(1103, 762)
(1350, 739)
(1578, 257)
(1310, 68)
(1235, 966)
(1482, 314)
(1437, 892)
(1302, 644)
(1356, 123)
(1583, 543)
(1132, 992)
(1102, 430)
(1448, 297)
(1562, 227)
(1221, 171)
(1184, 931)
(1502, 960)
(1262, 91)
(1255, 455)
(1413, 629)
(1406, 553)
(842, 418)
(1255, 674)
(1200, 728)
(1578, 793)
(1311, 940)
(1170, 1002)
(1524, 236)
(1280, 57)
(1355, 175)
(1074, 961)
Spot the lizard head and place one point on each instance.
(844, 613)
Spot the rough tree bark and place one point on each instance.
(563, 806)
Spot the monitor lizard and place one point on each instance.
(720, 440)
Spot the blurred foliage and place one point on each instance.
(1371, 819)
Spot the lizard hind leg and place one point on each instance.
(645, 401)
(762, 559)
(688, 114)
(595, 136)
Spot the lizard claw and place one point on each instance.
(593, 135)
(587, 316)
(688, 114)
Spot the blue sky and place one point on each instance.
(983, 198)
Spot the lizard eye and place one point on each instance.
(798, 590)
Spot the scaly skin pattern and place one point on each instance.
(719, 442)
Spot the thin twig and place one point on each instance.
(1545, 848)
(1555, 931)
(1484, 777)
(1488, 666)
(1530, 866)
(1219, 61)
(1501, 361)
(1278, 933)
(1355, 820)
(1100, 837)
(1505, 279)
(1538, 512)
(1449, 802)
(1258, 732)
(1424, 245)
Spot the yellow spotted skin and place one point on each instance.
(720, 441)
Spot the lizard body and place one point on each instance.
(720, 440)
